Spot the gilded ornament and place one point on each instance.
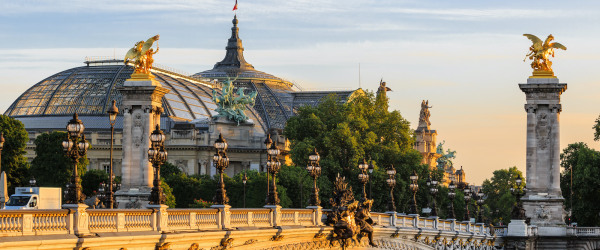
(540, 53)
(142, 55)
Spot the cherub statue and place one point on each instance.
(142, 54)
(540, 52)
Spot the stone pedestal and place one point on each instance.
(275, 214)
(517, 228)
(318, 215)
(543, 201)
(224, 215)
(142, 107)
(78, 218)
(160, 219)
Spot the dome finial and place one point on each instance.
(235, 21)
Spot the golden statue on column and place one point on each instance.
(540, 53)
(141, 54)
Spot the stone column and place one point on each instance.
(543, 201)
(142, 107)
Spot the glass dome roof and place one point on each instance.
(89, 91)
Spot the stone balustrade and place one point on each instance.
(62, 221)
(113, 228)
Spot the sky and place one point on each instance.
(464, 56)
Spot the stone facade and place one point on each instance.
(543, 201)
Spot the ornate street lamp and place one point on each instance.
(451, 195)
(273, 166)
(314, 170)
(363, 177)
(157, 155)
(467, 196)
(221, 162)
(112, 117)
(414, 187)
(518, 213)
(244, 180)
(32, 182)
(391, 181)
(1, 147)
(75, 147)
(371, 169)
(479, 203)
(433, 189)
(268, 143)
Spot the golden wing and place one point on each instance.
(533, 38)
(558, 46)
(149, 42)
(131, 54)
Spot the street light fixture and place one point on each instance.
(75, 147)
(273, 166)
(371, 169)
(1, 147)
(112, 118)
(451, 195)
(268, 143)
(518, 213)
(363, 177)
(480, 201)
(391, 181)
(244, 180)
(314, 170)
(433, 188)
(414, 187)
(157, 155)
(32, 181)
(221, 162)
(467, 196)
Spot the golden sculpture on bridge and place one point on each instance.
(540, 52)
(141, 54)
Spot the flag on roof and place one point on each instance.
(235, 6)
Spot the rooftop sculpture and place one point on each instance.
(230, 106)
(141, 54)
(540, 52)
(445, 159)
(424, 114)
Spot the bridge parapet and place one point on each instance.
(114, 227)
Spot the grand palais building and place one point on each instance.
(88, 90)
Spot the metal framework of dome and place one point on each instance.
(89, 90)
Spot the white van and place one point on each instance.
(35, 198)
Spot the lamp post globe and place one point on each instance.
(273, 167)
(314, 170)
(1, 147)
(451, 195)
(391, 181)
(433, 189)
(467, 197)
(157, 155)
(480, 201)
(113, 111)
(221, 162)
(75, 147)
(414, 187)
(363, 177)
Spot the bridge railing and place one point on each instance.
(69, 221)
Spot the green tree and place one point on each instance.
(500, 200)
(91, 180)
(346, 133)
(170, 201)
(51, 167)
(14, 162)
(584, 164)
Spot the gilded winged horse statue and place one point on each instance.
(141, 54)
(540, 52)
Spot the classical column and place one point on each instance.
(142, 107)
(543, 201)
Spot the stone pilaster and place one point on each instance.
(543, 201)
(142, 107)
